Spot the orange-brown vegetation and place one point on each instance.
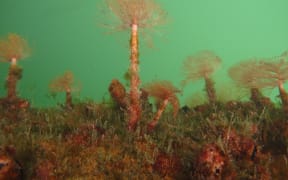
(211, 162)
(167, 165)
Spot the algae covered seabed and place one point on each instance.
(233, 140)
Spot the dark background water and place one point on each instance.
(69, 35)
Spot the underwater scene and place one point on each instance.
(143, 89)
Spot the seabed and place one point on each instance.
(232, 140)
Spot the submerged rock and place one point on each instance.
(9, 168)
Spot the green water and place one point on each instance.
(68, 35)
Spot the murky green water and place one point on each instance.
(68, 35)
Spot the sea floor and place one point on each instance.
(233, 140)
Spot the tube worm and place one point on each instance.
(164, 93)
(135, 15)
(201, 66)
(64, 83)
(12, 49)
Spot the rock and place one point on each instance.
(9, 168)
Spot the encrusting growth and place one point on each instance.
(202, 65)
(118, 93)
(64, 83)
(9, 168)
(163, 92)
(14, 75)
(13, 49)
(135, 15)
